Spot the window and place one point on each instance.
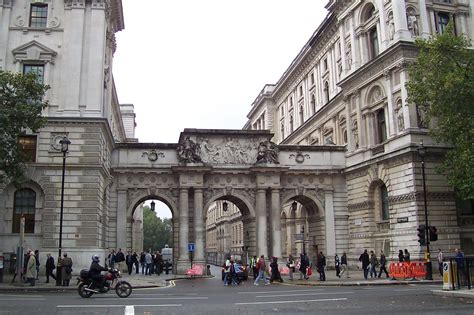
(311, 78)
(282, 111)
(282, 130)
(381, 126)
(326, 91)
(373, 43)
(27, 146)
(291, 102)
(301, 91)
(325, 64)
(384, 203)
(38, 15)
(291, 124)
(38, 69)
(301, 115)
(443, 20)
(24, 206)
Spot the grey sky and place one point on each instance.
(201, 63)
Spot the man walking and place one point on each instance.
(119, 259)
(49, 267)
(364, 259)
(383, 263)
(261, 266)
(129, 261)
(344, 269)
(373, 265)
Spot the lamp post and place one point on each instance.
(422, 153)
(302, 232)
(152, 206)
(64, 149)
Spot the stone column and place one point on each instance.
(262, 248)
(121, 219)
(350, 136)
(400, 20)
(198, 226)
(329, 223)
(384, 40)
(360, 122)
(354, 44)
(409, 112)
(276, 223)
(392, 120)
(424, 20)
(342, 40)
(183, 258)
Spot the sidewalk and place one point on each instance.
(136, 280)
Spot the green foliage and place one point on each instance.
(157, 232)
(442, 81)
(21, 104)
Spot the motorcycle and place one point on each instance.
(87, 286)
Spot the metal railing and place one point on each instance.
(462, 272)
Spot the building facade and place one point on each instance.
(346, 87)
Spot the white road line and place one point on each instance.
(114, 305)
(22, 296)
(289, 291)
(303, 294)
(168, 298)
(22, 299)
(129, 310)
(284, 302)
(406, 290)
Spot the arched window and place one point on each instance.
(384, 203)
(24, 206)
(381, 126)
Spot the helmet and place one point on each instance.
(95, 258)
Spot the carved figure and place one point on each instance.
(421, 115)
(355, 132)
(348, 56)
(188, 152)
(412, 22)
(391, 26)
(401, 123)
(267, 152)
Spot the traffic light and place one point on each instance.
(433, 233)
(421, 234)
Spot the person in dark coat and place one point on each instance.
(95, 271)
(383, 264)
(129, 262)
(66, 270)
(304, 263)
(275, 275)
(365, 260)
(337, 265)
(49, 267)
(401, 257)
(135, 262)
(321, 265)
(37, 257)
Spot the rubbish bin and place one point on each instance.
(449, 275)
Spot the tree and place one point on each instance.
(442, 82)
(21, 104)
(157, 232)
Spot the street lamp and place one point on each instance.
(422, 153)
(64, 142)
(152, 206)
(302, 233)
(225, 206)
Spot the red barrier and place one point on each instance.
(405, 270)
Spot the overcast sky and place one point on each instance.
(201, 63)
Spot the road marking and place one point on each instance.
(284, 302)
(22, 299)
(22, 296)
(303, 294)
(129, 310)
(169, 298)
(168, 294)
(114, 305)
(405, 290)
(289, 291)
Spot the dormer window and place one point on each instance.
(38, 15)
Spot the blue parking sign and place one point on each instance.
(190, 247)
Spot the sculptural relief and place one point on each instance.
(268, 152)
(230, 150)
(412, 22)
(188, 152)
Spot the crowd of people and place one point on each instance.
(148, 262)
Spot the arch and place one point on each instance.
(376, 200)
(312, 205)
(244, 205)
(367, 12)
(375, 94)
(133, 204)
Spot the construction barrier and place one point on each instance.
(407, 270)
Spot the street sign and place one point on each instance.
(299, 236)
(190, 247)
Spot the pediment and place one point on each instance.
(34, 51)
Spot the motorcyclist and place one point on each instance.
(95, 271)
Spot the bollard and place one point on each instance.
(208, 270)
(449, 275)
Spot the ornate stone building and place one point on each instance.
(346, 87)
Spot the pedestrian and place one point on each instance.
(226, 267)
(261, 266)
(120, 259)
(135, 262)
(275, 273)
(321, 265)
(383, 264)
(290, 263)
(401, 258)
(26, 258)
(440, 261)
(66, 270)
(129, 261)
(49, 267)
(232, 279)
(365, 260)
(373, 265)
(158, 263)
(253, 266)
(337, 265)
(37, 264)
(406, 257)
(111, 259)
(148, 263)
(31, 269)
(142, 262)
(304, 263)
(344, 269)
(459, 256)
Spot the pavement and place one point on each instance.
(155, 281)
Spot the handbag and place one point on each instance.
(309, 271)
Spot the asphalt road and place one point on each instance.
(209, 296)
